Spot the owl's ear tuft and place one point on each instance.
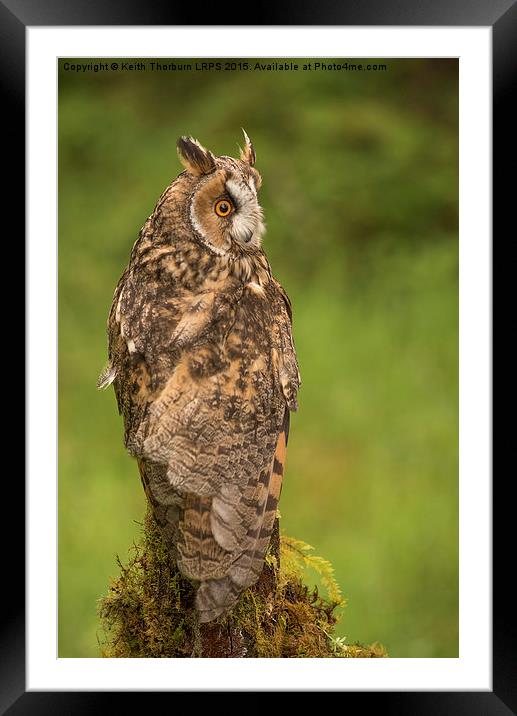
(194, 157)
(248, 153)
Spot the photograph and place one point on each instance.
(258, 377)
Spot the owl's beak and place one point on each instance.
(248, 236)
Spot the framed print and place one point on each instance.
(368, 133)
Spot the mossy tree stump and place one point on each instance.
(149, 609)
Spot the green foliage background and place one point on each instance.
(360, 193)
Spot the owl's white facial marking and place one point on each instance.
(247, 225)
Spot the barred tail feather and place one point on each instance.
(216, 597)
(200, 557)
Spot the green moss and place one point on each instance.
(148, 611)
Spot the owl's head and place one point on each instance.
(224, 209)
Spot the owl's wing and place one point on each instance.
(186, 524)
(225, 470)
(220, 427)
(206, 434)
(215, 597)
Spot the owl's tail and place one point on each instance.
(216, 597)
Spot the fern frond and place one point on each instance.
(296, 557)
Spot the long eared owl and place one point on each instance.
(204, 368)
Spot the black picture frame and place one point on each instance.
(15, 16)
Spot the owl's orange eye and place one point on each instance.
(223, 207)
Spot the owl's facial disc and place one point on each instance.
(225, 211)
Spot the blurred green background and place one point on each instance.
(360, 192)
